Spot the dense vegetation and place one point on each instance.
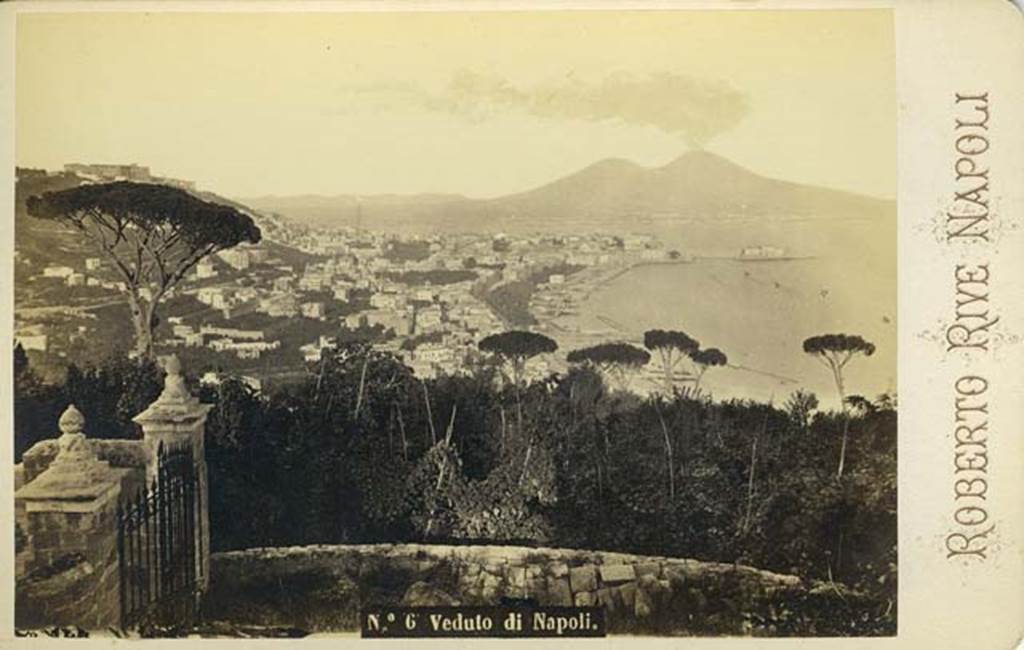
(360, 450)
(511, 300)
(407, 251)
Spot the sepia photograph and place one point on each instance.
(455, 323)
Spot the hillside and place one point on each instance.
(40, 243)
(697, 185)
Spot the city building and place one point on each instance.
(279, 305)
(313, 310)
(31, 341)
(130, 172)
(57, 271)
(205, 269)
(231, 333)
(283, 283)
(237, 259)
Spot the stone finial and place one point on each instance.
(175, 391)
(175, 406)
(74, 449)
(76, 472)
(71, 421)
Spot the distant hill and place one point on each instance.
(697, 185)
(44, 242)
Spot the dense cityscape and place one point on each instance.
(428, 299)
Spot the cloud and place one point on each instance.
(695, 109)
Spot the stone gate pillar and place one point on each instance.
(177, 417)
(71, 514)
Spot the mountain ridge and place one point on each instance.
(696, 184)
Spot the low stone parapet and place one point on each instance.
(639, 593)
(127, 454)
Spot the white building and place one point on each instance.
(313, 310)
(279, 305)
(231, 333)
(32, 342)
(384, 301)
(205, 269)
(57, 271)
(210, 296)
(235, 258)
(244, 349)
(428, 319)
(342, 293)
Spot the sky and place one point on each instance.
(480, 104)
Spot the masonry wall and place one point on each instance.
(119, 453)
(322, 588)
(73, 576)
(61, 565)
(68, 491)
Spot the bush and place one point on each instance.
(360, 450)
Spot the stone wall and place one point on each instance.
(66, 535)
(74, 576)
(322, 588)
(128, 454)
(68, 490)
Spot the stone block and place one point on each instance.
(643, 604)
(536, 588)
(559, 593)
(47, 540)
(676, 576)
(617, 573)
(558, 569)
(584, 599)
(610, 599)
(583, 578)
(516, 579)
(491, 581)
(489, 595)
(627, 593)
(648, 568)
(421, 594)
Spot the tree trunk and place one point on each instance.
(750, 476)
(401, 429)
(666, 362)
(362, 385)
(430, 415)
(142, 320)
(842, 447)
(668, 454)
(838, 375)
(697, 376)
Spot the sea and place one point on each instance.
(840, 279)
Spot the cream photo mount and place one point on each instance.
(958, 186)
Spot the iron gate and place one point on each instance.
(159, 546)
